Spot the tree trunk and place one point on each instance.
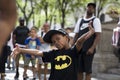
(63, 19)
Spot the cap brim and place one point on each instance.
(49, 34)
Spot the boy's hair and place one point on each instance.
(91, 4)
(34, 28)
(49, 34)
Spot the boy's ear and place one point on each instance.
(68, 38)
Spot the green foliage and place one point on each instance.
(58, 8)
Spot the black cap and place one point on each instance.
(91, 4)
(49, 34)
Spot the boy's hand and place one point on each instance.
(91, 30)
(15, 52)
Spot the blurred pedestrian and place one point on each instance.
(89, 47)
(32, 42)
(3, 59)
(44, 47)
(71, 34)
(20, 33)
(116, 40)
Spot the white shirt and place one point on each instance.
(55, 27)
(44, 46)
(96, 24)
(115, 36)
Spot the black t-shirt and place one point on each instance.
(21, 33)
(64, 64)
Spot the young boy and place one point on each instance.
(32, 42)
(64, 60)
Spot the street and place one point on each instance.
(11, 73)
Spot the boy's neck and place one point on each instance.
(33, 37)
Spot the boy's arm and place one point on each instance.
(31, 52)
(84, 37)
(75, 38)
(80, 41)
(18, 50)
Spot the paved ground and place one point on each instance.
(100, 76)
(11, 73)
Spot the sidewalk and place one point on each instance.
(10, 75)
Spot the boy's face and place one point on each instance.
(60, 41)
(33, 33)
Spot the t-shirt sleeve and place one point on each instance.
(48, 56)
(76, 30)
(97, 25)
(26, 41)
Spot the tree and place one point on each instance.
(77, 7)
(26, 8)
(69, 6)
(48, 6)
(101, 4)
(63, 4)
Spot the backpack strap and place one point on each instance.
(81, 22)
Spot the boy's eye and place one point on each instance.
(57, 39)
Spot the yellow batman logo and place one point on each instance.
(62, 62)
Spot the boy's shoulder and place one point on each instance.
(28, 38)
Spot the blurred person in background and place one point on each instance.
(3, 59)
(89, 47)
(32, 42)
(20, 33)
(116, 40)
(44, 47)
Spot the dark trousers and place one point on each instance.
(3, 58)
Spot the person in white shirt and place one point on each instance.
(55, 26)
(44, 47)
(116, 36)
(88, 49)
(116, 40)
